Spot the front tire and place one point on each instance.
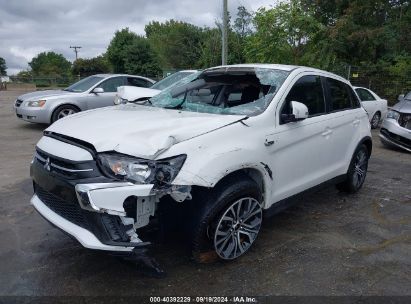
(228, 220)
(375, 121)
(357, 171)
(63, 111)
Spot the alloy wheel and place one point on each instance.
(65, 112)
(375, 120)
(238, 228)
(360, 168)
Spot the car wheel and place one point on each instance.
(375, 121)
(357, 171)
(63, 111)
(230, 221)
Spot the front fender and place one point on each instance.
(54, 104)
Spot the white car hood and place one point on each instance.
(47, 94)
(137, 130)
(132, 93)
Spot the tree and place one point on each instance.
(177, 44)
(282, 33)
(243, 22)
(118, 48)
(3, 67)
(141, 59)
(87, 67)
(50, 64)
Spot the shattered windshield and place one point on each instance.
(238, 91)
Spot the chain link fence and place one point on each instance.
(385, 84)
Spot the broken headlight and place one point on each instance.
(393, 114)
(141, 171)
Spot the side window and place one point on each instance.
(339, 94)
(309, 91)
(364, 94)
(110, 85)
(138, 82)
(355, 102)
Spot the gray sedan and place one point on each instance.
(396, 127)
(89, 93)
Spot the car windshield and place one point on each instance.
(84, 84)
(170, 80)
(408, 96)
(235, 91)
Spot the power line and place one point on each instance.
(76, 48)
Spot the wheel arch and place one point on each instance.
(367, 141)
(60, 105)
(251, 172)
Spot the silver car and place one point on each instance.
(396, 128)
(89, 93)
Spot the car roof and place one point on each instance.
(283, 67)
(112, 75)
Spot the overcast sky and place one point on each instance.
(28, 27)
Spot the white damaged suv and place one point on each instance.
(226, 147)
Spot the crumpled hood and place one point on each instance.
(46, 94)
(137, 130)
(132, 93)
(403, 106)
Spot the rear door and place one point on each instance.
(345, 116)
(105, 99)
(300, 151)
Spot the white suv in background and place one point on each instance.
(233, 144)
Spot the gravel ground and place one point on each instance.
(329, 244)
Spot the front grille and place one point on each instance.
(71, 211)
(66, 168)
(396, 138)
(405, 121)
(18, 102)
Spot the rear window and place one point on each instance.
(339, 94)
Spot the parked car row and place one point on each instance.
(219, 150)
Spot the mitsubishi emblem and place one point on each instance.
(47, 164)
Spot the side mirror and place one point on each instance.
(98, 90)
(299, 112)
(401, 97)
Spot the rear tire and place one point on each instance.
(357, 171)
(216, 232)
(63, 111)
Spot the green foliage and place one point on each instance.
(177, 44)
(117, 50)
(243, 22)
(87, 67)
(282, 34)
(133, 54)
(3, 66)
(50, 64)
(141, 59)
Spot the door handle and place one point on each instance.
(327, 132)
(268, 143)
(356, 122)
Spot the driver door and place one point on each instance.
(98, 100)
(299, 151)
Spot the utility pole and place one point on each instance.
(224, 42)
(76, 50)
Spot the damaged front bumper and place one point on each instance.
(100, 213)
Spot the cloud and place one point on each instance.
(27, 28)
